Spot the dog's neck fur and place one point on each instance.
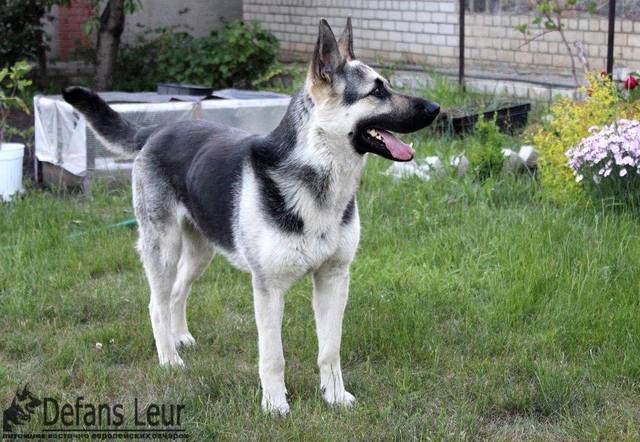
(318, 173)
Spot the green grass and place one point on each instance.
(476, 312)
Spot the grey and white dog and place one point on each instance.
(279, 206)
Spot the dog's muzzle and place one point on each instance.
(432, 110)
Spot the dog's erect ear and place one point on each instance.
(326, 56)
(345, 42)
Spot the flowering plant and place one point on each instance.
(630, 86)
(608, 161)
(568, 123)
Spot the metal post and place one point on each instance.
(461, 44)
(612, 32)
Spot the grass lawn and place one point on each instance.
(476, 312)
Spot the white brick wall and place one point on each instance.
(426, 33)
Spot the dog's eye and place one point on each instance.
(378, 91)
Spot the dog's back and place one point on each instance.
(182, 163)
(198, 160)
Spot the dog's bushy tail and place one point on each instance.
(116, 133)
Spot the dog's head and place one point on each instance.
(354, 101)
(26, 397)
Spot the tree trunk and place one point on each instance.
(111, 27)
(41, 50)
(42, 76)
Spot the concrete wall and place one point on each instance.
(198, 17)
(426, 33)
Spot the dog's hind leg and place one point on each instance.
(330, 293)
(159, 245)
(269, 307)
(159, 251)
(194, 259)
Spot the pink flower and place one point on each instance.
(630, 83)
(607, 154)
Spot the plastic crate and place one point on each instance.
(510, 118)
(183, 89)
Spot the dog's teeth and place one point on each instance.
(375, 134)
(411, 145)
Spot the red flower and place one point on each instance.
(630, 83)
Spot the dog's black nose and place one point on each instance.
(433, 109)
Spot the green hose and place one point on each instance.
(126, 223)
(131, 222)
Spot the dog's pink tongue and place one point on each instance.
(398, 149)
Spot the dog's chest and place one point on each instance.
(275, 251)
(288, 258)
(291, 218)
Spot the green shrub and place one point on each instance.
(12, 85)
(21, 33)
(232, 57)
(568, 123)
(485, 149)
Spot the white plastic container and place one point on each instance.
(10, 169)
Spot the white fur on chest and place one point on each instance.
(265, 247)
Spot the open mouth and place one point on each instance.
(382, 139)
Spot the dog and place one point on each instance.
(279, 206)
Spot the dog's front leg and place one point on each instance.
(330, 293)
(269, 308)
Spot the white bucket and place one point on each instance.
(10, 169)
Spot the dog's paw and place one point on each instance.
(184, 340)
(278, 407)
(341, 398)
(172, 361)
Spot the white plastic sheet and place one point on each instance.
(62, 137)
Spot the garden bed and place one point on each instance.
(511, 117)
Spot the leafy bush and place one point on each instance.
(568, 123)
(21, 34)
(485, 152)
(608, 162)
(12, 84)
(234, 56)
